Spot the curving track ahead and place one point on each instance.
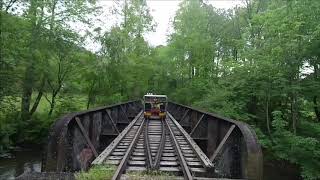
(156, 145)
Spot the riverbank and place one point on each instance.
(280, 170)
(20, 160)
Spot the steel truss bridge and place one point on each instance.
(189, 144)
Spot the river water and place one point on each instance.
(24, 160)
(29, 160)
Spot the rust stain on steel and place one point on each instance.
(85, 135)
(85, 157)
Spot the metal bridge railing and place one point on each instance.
(231, 145)
(75, 139)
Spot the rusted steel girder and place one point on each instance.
(68, 150)
(232, 145)
(85, 135)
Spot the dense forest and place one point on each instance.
(258, 63)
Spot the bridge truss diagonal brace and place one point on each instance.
(222, 143)
(85, 135)
(204, 159)
(105, 153)
(112, 122)
(124, 113)
(177, 110)
(196, 126)
(184, 116)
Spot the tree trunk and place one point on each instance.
(315, 106)
(29, 75)
(294, 114)
(26, 98)
(51, 108)
(89, 98)
(267, 114)
(90, 94)
(37, 101)
(315, 103)
(10, 4)
(52, 104)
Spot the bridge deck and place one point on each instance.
(161, 145)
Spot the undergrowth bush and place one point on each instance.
(101, 172)
(8, 123)
(304, 151)
(151, 175)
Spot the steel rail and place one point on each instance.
(147, 146)
(116, 141)
(157, 159)
(204, 159)
(125, 158)
(183, 163)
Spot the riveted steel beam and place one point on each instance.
(222, 143)
(196, 126)
(85, 135)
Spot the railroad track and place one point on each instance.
(146, 145)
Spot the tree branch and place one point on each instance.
(10, 5)
(40, 93)
(46, 97)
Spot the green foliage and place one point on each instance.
(257, 63)
(100, 172)
(156, 175)
(263, 139)
(252, 64)
(8, 125)
(39, 53)
(295, 149)
(278, 122)
(12, 45)
(70, 103)
(309, 129)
